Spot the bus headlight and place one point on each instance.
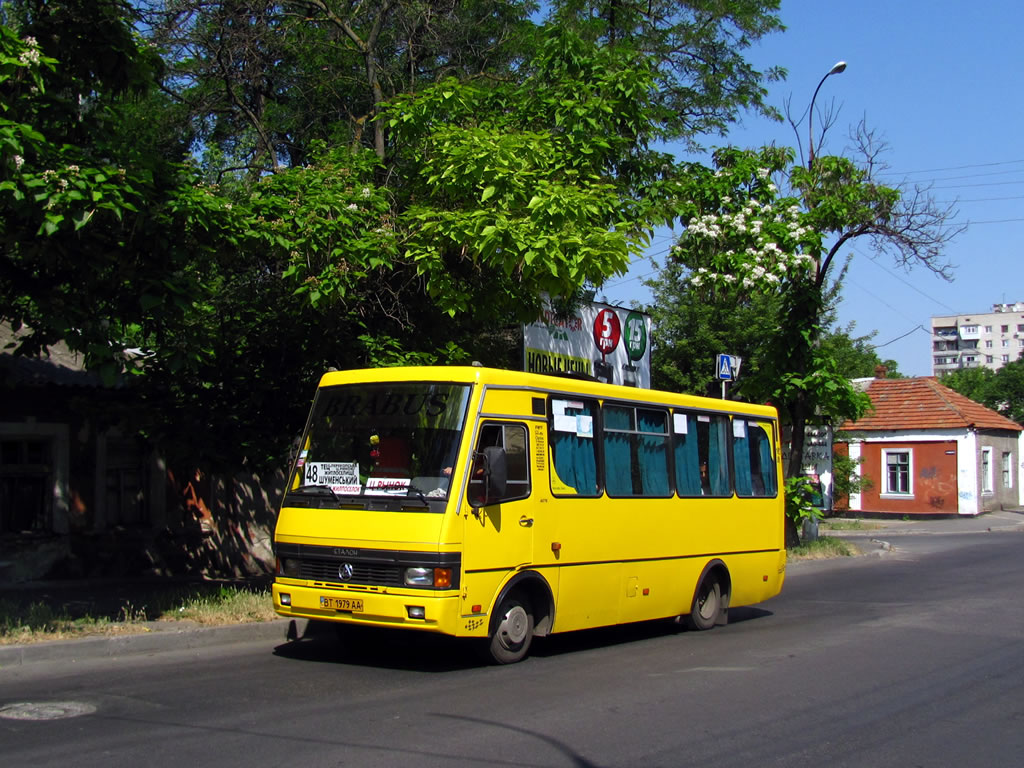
(288, 566)
(419, 577)
(428, 577)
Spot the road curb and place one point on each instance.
(152, 641)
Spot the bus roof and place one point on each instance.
(566, 385)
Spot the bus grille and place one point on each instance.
(362, 573)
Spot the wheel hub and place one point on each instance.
(514, 625)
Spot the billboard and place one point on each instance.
(612, 344)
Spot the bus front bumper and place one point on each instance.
(405, 609)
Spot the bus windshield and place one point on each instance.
(382, 439)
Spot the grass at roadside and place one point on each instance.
(822, 548)
(38, 621)
(843, 524)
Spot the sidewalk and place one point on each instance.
(1001, 520)
(107, 598)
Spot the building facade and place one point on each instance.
(928, 450)
(82, 496)
(989, 340)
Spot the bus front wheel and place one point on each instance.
(707, 604)
(513, 634)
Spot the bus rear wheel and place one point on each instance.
(707, 604)
(513, 634)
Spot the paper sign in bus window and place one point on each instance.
(679, 423)
(339, 476)
(387, 486)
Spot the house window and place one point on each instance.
(26, 484)
(988, 329)
(986, 471)
(1004, 328)
(969, 329)
(988, 344)
(1006, 342)
(125, 483)
(897, 472)
(1007, 469)
(988, 358)
(1020, 327)
(1005, 358)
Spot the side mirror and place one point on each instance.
(489, 482)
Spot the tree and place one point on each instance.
(692, 326)
(742, 237)
(696, 50)
(518, 158)
(81, 208)
(855, 357)
(1001, 390)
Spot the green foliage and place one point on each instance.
(975, 383)
(854, 355)
(800, 495)
(521, 181)
(846, 480)
(1001, 390)
(697, 50)
(380, 184)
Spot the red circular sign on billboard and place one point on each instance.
(607, 331)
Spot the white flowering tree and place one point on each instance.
(745, 240)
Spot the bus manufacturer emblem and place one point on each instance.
(345, 571)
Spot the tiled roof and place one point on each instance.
(922, 403)
(57, 366)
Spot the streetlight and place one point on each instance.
(838, 67)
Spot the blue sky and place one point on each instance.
(941, 83)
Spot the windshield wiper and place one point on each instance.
(323, 490)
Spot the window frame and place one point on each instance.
(635, 437)
(985, 471)
(553, 432)
(888, 491)
(695, 417)
(753, 451)
(510, 482)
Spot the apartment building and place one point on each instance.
(988, 340)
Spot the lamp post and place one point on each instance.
(838, 67)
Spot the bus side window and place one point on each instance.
(573, 455)
(512, 438)
(701, 452)
(635, 451)
(752, 455)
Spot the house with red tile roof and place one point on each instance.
(929, 450)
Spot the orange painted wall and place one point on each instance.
(934, 479)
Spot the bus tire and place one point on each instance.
(513, 633)
(707, 604)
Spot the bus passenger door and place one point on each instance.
(499, 530)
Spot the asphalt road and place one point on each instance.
(913, 658)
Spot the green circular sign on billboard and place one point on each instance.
(636, 335)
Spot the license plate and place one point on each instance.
(353, 604)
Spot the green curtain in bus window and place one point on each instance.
(718, 458)
(574, 459)
(741, 461)
(688, 462)
(652, 453)
(764, 449)
(618, 464)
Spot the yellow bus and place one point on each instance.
(503, 505)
